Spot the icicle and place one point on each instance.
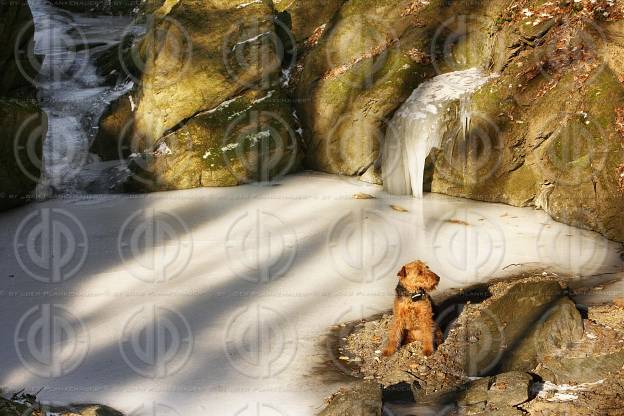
(421, 124)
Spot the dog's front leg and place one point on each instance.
(427, 340)
(395, 336)
(439, 336)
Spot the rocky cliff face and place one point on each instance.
(547, 132)
(192, 78)
(22, 124)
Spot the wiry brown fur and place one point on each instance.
(413, 321)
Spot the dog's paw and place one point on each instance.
(388, 352)
(427, 352)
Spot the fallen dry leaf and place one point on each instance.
(619, 302)
(362, 195)
(456, 221)
(399, 208)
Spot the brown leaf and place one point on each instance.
(361, 195)
(456, 221)
(399, 208)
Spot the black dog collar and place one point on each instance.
(420, 295)
(414, 296)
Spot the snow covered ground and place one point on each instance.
(214, 301)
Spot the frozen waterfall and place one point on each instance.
(421, 124)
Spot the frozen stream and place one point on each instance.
(214, 301)
(71, 92)
(423, 122)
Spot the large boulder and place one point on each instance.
(189, 69)
(195, 88)
(249, 138)
(348, 65)
(517, 326)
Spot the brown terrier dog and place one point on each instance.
(413, 312)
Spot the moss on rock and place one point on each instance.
(252, 137)
(544, 133)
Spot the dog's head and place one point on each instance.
(416, 275)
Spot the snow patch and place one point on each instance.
(561, 392)
(163, 150)
(230, 146)
(243, 5)
(250, 40)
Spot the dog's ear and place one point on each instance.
(402, 273)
